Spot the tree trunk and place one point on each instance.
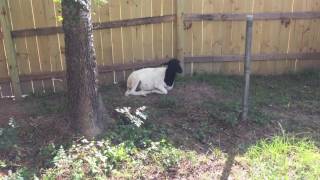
(85, 105)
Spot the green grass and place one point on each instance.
(284, 157)
(130, 151)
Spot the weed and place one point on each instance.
(9, 135)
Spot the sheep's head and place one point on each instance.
(174, 65)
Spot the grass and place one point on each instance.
(284, 157)
(167, 144)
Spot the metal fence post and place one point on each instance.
(247, 67)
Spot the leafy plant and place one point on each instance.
(9, 135)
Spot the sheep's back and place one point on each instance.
(150, 77)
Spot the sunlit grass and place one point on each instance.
(284, 157)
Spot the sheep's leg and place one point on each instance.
(133, 90)
(157, 91)
(139, 93)
(160, 90)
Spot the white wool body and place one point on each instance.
(149, 80)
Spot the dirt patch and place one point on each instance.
(195, 92)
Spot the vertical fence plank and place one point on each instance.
(58, 14)
(257, 36)
(115, 14)
(227, 36)
(157, 9)
(283, 41)
(32, 43)
(127, 34)
(264, 28)
(3, 59)
(207, 7)
(216, 35)
(147, 30)
(197, 29)
(188, 36)
(10, 52)
(54, 48)
(306, 35)
(167, 42)
(180, 34)
(41, 10)
(23, 59)
(95, 13)
(296, 37)
(107, 54)
(57, 52)
(174, 29)
(315, 38)
(3, 69)
(137, 34)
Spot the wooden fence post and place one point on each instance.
(180, 33)
(247, 67)
(10, 50)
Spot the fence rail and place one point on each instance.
(208, 35)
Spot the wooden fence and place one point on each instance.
(207, 34)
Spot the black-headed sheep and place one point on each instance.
(153, 80)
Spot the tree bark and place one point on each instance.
(85, 104)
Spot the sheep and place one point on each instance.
(153, 80)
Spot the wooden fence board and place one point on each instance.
(3, 63)
(5, 89)
(167, 28)
(3, 72)
(23, 58)
(188, 38)
(206, 49)
(304, 29)
(261, 16)
(41, 10)
(95, 13)
(116, 36)
(217, 36)
(227, 37)
(197, 38)
(107, 54)
(174, 29)
(147, 31)
(157, 31)
(126, 11)
(32, 43)
(135, 31)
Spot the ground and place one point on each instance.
(199, 115)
